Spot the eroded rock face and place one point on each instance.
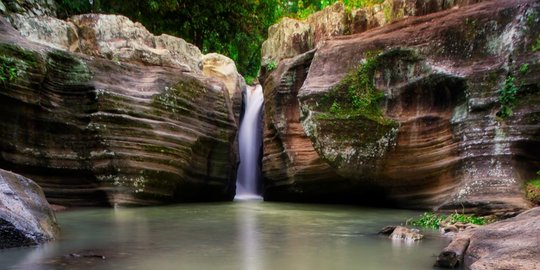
(439, 143)
(25, 215)
(92, 131)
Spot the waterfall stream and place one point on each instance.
(249, 140)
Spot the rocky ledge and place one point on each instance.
(121, 125)
(411, 113)
(25, 215)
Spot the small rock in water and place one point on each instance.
(403, 233)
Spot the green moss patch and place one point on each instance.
(14, 61)
(532, 190)
(71, 69)
(355, 96)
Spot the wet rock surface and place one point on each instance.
(25, 215)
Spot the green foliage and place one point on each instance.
(301, 9)
(532, 189)
(249, 79)
(426, 220)
(8, 69)
(523, 69)
(271, 66)
(507, 97)
(433, 221)
(335, 108)
(536, 46)
(531, 18)
(65, 8)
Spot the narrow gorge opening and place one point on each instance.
(250, 145)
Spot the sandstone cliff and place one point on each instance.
(410, 113)
(130, 123)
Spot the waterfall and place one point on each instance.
(249, 140)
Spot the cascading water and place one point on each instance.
(249, 140)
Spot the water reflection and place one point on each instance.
(228, 236)
(249, 242)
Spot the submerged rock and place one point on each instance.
(431, 136)
(25, 215)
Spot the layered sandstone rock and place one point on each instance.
(292, 169)
(25, 215)
(93, 131)
(439, 142)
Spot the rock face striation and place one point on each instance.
(25, 215)
(411, 113)
(133, 122)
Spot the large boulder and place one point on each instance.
(25, 215)
(94, 131)
(415, 119)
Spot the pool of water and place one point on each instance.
(235, 236)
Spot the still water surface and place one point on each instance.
(235, 236)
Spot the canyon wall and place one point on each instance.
(413, 113)
(98, 111)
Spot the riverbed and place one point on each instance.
(230, 236)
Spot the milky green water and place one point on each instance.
(235, 236)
